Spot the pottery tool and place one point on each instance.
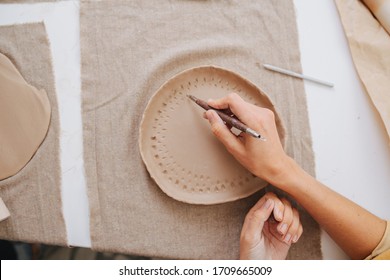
(227, 117)
(297, 75)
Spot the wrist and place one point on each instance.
(286, 174)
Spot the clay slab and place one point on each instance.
(24, 119)
(178, 148)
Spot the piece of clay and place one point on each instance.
(4, 213)
(24, 119)
(177, 145)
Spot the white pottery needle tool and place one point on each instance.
(297, 75)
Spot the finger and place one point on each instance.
(298, 232)
(240, 108)
(221, 131)
(287, 217)
(278, 209)
(254, 221)
(259, 204)
(293, 228)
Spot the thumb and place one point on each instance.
(254, 221)
(223, 134)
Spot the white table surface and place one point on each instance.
(349, 140)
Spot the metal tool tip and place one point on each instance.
(193, 98)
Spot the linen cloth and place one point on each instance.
(33, 195)
(369, 44)
(128, 50)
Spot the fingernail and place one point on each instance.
(283, 228)
(267, 204)
(295, 239)
(279, 215)
(287, 238)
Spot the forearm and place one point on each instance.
(353, 228)
(356, 230)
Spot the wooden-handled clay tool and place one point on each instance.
(227, 118)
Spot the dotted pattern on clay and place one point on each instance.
(185, 179)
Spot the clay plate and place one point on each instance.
(178, 148)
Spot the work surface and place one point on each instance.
(349, 140)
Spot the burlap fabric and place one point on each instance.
(128, 50)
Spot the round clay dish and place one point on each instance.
(178, 148)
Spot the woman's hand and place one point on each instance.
(263, 237)
(355, 230)
(265, 159)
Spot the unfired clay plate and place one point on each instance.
(25, 114)
(178, 148)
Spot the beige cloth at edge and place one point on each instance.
(381, 10)
(370, 48)
(33, 195)
(128, 50)
(384, 244)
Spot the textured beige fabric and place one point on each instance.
(33, 195)
(128, 50)
(383, 246)
(383, 256)
(370, 48)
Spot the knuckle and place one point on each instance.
(216, 128)
(233, 97)
(268, 114)
(257, 215)
(254, 216)
(270, 195)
